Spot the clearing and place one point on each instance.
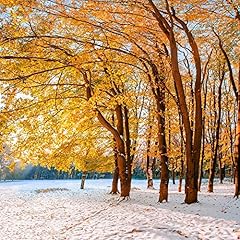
(58, 209)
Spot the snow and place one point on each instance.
(64, 212)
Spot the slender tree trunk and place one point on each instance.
(116, 170)
(173, 176)
(163, 151)
(149, 173)
(221, 170)
(121, 155)
(159, 94)
(181, 175)
(237, 155)
(231, 145)
(232, 174)
(201, 165)
(169, 147)
(128, 147)
(213, 139)
(149, 167)
(115, 177)
(203, 129)
(237, 147)
(216, 150)
(237, 95)
(84, 175)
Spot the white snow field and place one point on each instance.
(68, 213)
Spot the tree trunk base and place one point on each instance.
(163, 194)
(114, 188)
(191, 195)
(83, 180)
(124, 195)
(210, 187)
(125, 191)
(150, 184)
(121, 199)
(180, 185)
(114, 192)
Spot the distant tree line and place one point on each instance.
(43, 173)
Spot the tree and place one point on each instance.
(92, 71)
(193, 138)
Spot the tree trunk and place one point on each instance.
(149, 175)
(231, 145)
(128, 148)
(173, 176)
(162, 149)
(116, 170)
(221, 173)
(121, 155)
(124, 182)
(232, 179)
(201, 169)
(237, 176)
(84, 175)
(193, 138)
(149, 167)
(159, 94)
(237, 95)
(237, 147)
(221, 168)
(169, 147)
(181, 175)
(216, 150)
(149, 172)
(203, 127)
(211, 174)
(115, 178)
(118, 136)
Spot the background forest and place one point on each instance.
(119, 86)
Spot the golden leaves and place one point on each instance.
(46, 47)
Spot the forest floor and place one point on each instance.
(46, 210)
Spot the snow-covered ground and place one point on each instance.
(92, 213)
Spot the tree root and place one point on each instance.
(121, 199)
(114, 193)
(163, 201)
